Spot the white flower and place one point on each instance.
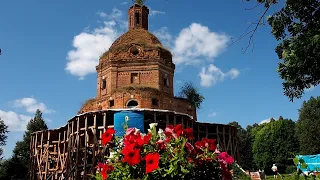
(112, 154)
(152, 125)
(136, 130)
(161, 134)
(120, 143)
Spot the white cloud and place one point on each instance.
(88, 46)
(164, 36)
(14, 121)
(266, 121)
(197, 41)
(155, 12)
(124, 3)
(212, 75)
(212, 114)
(115, 14)
(193, 44)
(31, 105)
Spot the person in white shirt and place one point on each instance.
(275, 171)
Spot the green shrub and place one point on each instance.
(291, 169)
(238, 174)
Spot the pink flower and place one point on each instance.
(226, 158)
(130, 131)
(189, 147)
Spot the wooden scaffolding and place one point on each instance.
(72, 151)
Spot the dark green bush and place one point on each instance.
(291, 169)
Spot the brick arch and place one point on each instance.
(132, 103)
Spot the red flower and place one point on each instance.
(147, 138)
(206, 143)
(178, 129)
(210, 143)
(152, 162)
(130, 131)
(188, 133)
(161, 144)
(199, 144)
(171, 131)
(226, 174)
(135, 139)
(226, 157)
(107, 136)
(131, 155)
(168, 140)
(189, 147)
(104, 170)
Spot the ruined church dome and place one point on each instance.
(135, 42)
(140, 37)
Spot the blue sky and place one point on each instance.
(50, 48)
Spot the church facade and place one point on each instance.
(134, 80)
(137, 71)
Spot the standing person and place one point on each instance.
(275, 171)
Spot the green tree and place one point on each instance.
(190, 92)
(3, 137)
(244, 146)
(140, 2)
(297, 27)
(307, 128)
(17, 165)
(274, 143)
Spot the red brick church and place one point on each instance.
(134, 80)
(137, 71)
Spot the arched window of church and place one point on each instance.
(137, 15)
(104, 84)
(155, 102)
(132, 104)
(166, 80)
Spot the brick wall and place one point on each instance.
(144, 98)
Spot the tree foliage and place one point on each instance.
(17, 166)
(140, 2)
(244, 146)
(297, 27)
(191, 93)
(274, 143)
(3, 137)
(307, 128)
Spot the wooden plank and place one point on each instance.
(59, 152)
(85, 147)
(77, 150)
(46, 158)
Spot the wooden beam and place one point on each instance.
(47, 156)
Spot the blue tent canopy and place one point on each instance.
(135, 120)
(313, 162)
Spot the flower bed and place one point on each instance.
(161, 155)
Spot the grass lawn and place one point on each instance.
(286, 177)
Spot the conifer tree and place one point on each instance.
(17, 165)
(190, 92)
(307, 128)
(3, 137)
